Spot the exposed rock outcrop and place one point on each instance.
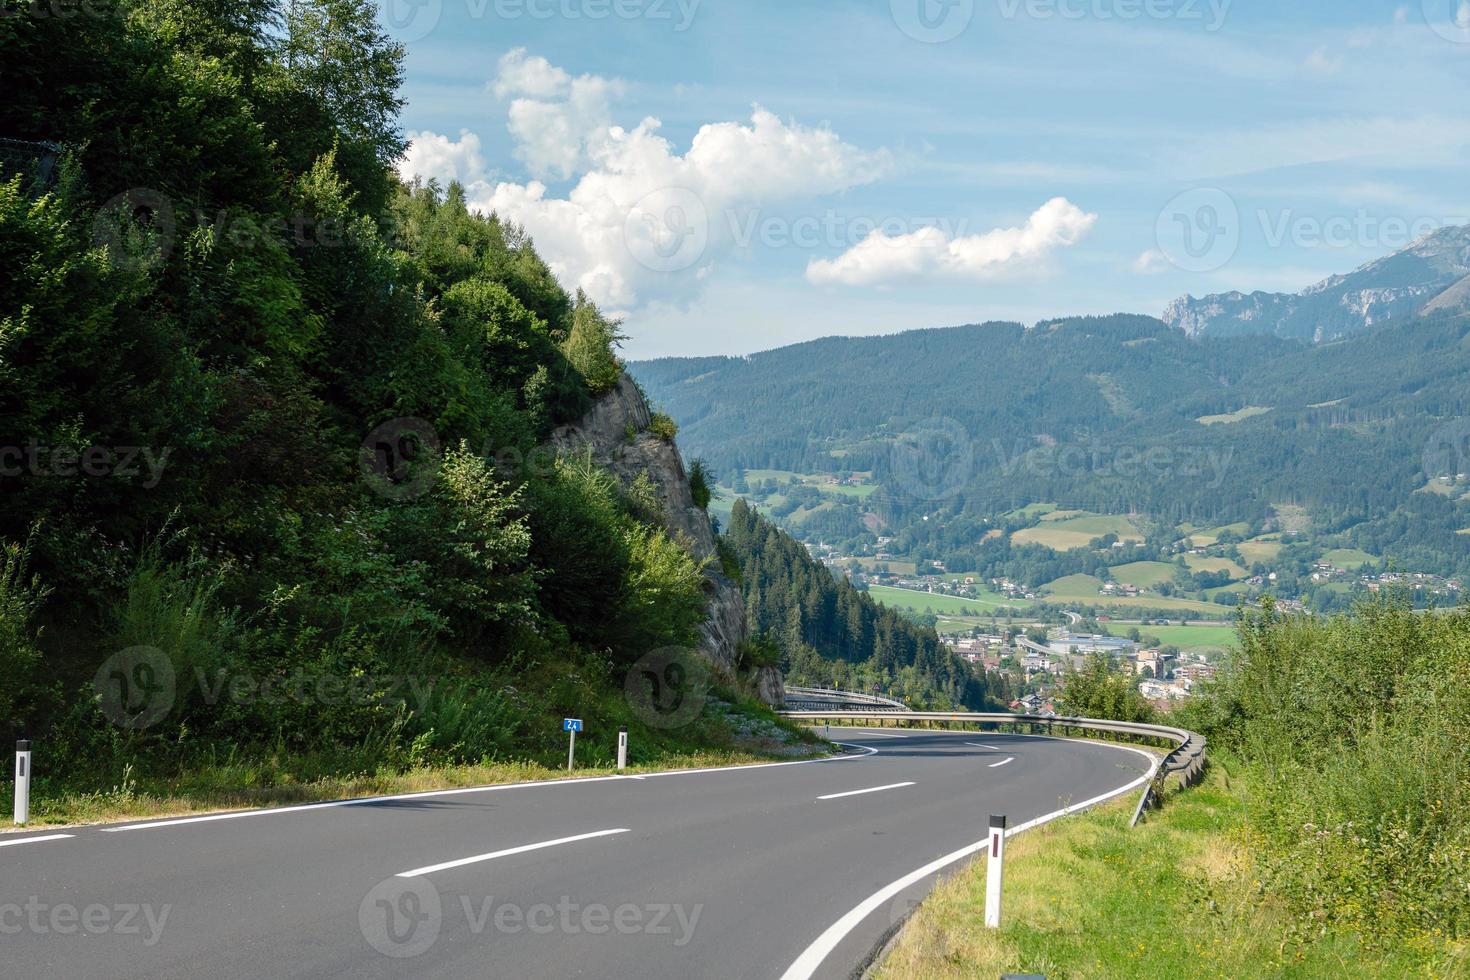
(617, 432)
(1432, 274)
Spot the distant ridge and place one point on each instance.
(1431, 275)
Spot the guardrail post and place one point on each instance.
(622, 747)
(22, 782)
(994, 870)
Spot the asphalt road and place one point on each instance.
(786, 870)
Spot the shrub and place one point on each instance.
(663, 426)
(19, 599)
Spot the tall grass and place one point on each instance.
(1356, 731)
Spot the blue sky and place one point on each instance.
(734, 175)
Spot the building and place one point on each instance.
(1111, 645)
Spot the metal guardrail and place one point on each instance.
(1186, 759)
(824, 698)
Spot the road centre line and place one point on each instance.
(993, 748)
(996, 765)
(859, 792)
(478, 858)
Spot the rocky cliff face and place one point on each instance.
(1432, 274)
(616, 431)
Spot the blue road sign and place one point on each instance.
(571, 724)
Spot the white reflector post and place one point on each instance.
(622, 748)
(22, 782)
(995, 856)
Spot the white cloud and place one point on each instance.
(933, 254)
(644, 222)
(1151, 263)
(533, 76)
(432, 155)
(554, 117)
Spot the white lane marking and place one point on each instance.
(885, 735)
(419, 872)
(811, 958)
(993, 748)
(859, 792)
(996, 765)
(34, 840)
(431, 794)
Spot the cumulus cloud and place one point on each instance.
(432, 155)
(642, 221)
(933, 254)
(554, 117)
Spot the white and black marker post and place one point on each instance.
(22, 781)
(622, 747)
(994, 869)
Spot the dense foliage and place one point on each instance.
(261, 408)
(1356, 732)
(960, 426)
(831, 635)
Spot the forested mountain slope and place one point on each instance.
(829, 634)
(268, 414)
(1115, 415)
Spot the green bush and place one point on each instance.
(700, 480)
(663, 426)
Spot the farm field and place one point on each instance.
(1083, 589)
(942, 604)
(1259, 550)
(1144, 574)
(1184, 637)
(1066, 530)
(1204, 563)
(1348, 558)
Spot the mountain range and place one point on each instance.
(1432, 274)
(1364, 442)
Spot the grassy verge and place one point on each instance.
(287, 781)
(728, 732)
(1086, 897)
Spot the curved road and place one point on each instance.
(785, 870)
